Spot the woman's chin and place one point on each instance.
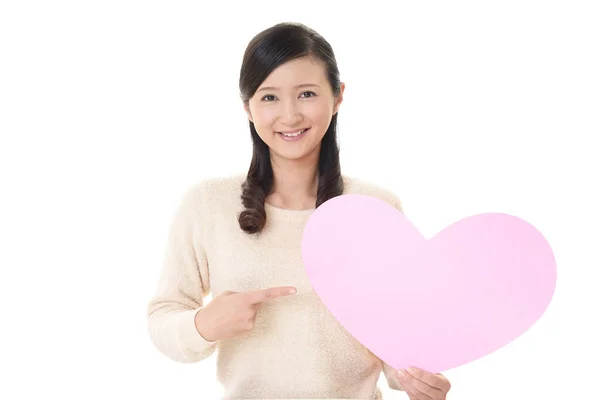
(299, 154)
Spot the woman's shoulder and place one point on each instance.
(221, 185)
(356, 185)
(215, 189)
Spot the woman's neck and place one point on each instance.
(295, 184)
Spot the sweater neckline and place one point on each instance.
(287, 214)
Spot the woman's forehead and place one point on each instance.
(296, 74)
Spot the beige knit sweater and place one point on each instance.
(297, 349)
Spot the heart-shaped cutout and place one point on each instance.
(435, 304)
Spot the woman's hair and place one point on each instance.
(265, 52)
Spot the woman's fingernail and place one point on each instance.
(401, 373)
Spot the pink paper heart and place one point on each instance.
(435, 304)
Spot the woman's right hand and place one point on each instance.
(233, 313)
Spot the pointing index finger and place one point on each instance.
(259, 296)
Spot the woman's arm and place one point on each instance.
(182, 286)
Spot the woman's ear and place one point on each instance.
(339, 98)
(247, 110)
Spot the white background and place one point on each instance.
(110, 110)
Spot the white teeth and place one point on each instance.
(293, 134)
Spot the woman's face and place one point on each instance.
(292, 109)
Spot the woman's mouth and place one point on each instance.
(293, 135)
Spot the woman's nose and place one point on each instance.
(291, 115)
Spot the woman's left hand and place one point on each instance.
(423, 385)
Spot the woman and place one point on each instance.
(239, 238)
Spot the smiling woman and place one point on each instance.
(240, 238)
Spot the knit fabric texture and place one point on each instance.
(297, 349)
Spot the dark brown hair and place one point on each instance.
(265, 52)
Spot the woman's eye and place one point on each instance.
(270, 97)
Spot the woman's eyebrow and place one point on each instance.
(304, 85)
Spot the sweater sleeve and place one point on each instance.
(182, 286)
